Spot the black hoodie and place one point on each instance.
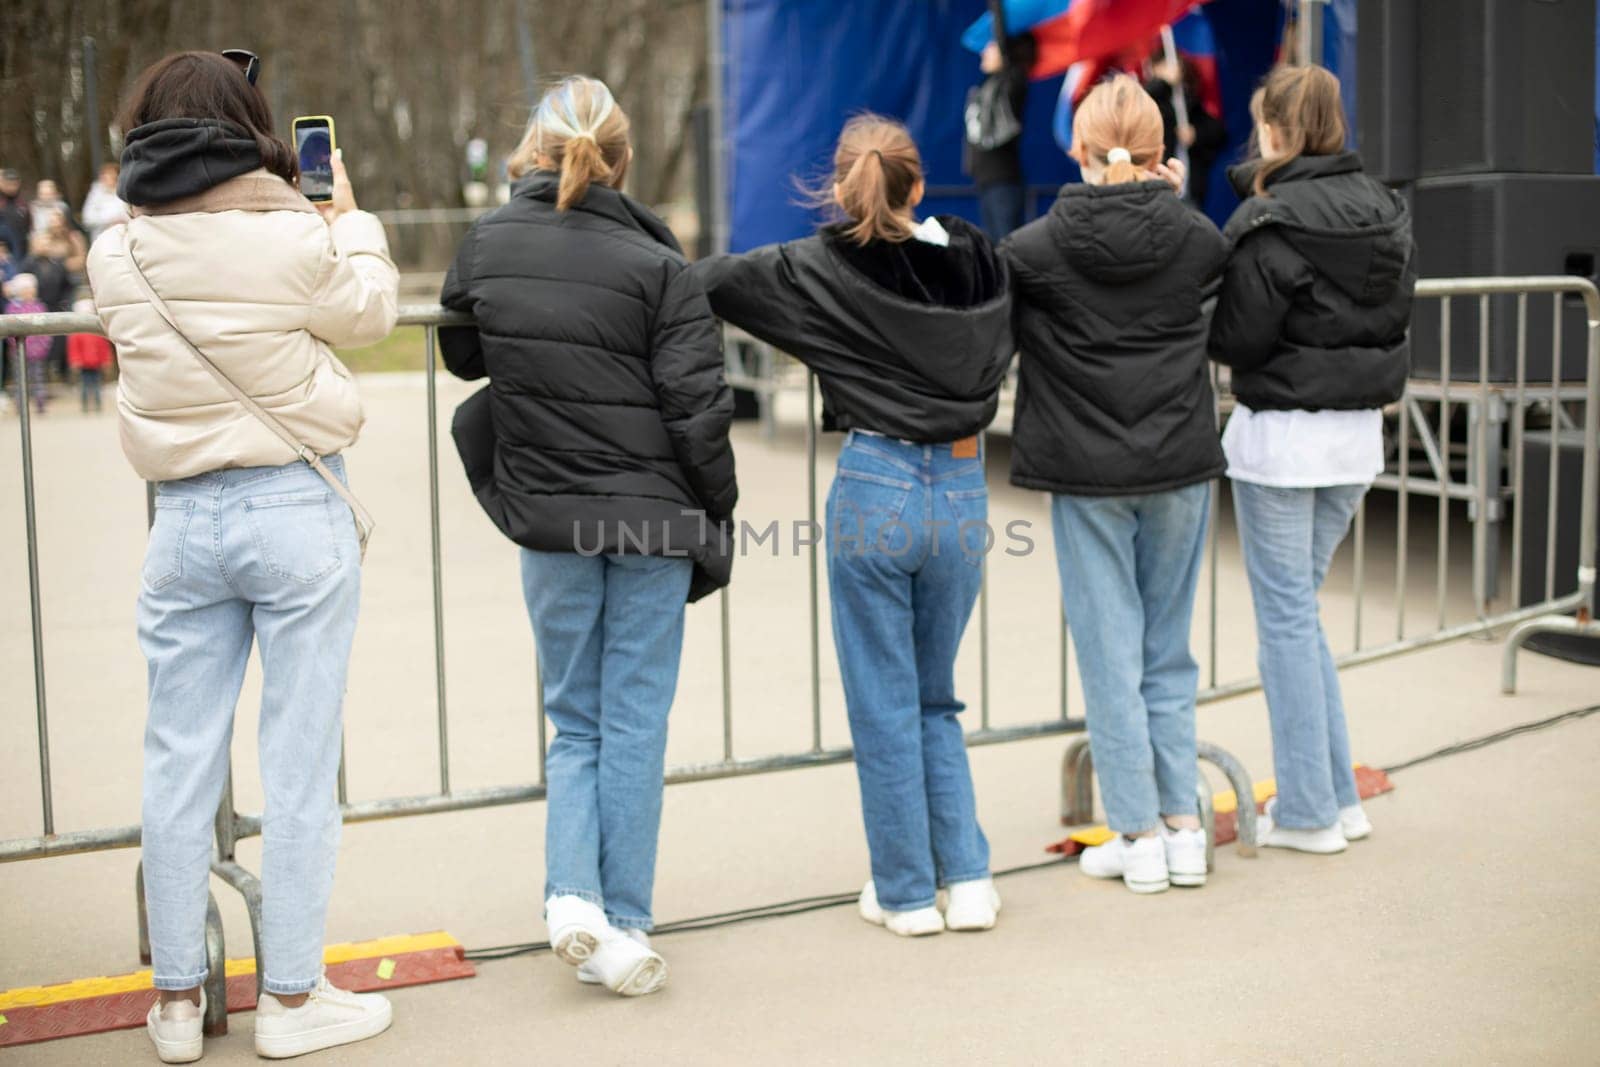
(908, 338)
(1113, 394)
(174, 158)
(1317, 295)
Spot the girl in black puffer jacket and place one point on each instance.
(601, 447)
(907, 326)
(1116, 418)
(1312, 318)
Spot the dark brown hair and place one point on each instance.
(875, 170)
(206, 85)
(1302, 106)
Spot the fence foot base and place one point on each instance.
(143, 914)
(249, 887)
(1546, 624)
(216, 1020)
(1244, 792)
(1077, 784)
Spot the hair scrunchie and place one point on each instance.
(1119, 155)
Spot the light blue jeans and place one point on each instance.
(264, 554)
(1289, 537)
(907, 530)
(1129, 565)
(609, 631)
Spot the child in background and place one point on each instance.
(22, 298)
(90, 355)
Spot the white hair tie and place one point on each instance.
(1119, 155)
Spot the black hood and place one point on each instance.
(1119, 233)
(174, 158)
(940, 308)
(1354, 230)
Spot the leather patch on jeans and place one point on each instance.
(966, 448)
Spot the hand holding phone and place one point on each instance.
(344, 197)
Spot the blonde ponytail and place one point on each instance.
(1118, 126)
(876, 168)
(581, 133)
(581, 164)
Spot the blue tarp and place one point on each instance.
(797, 69)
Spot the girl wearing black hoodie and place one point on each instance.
(1115, 418)
(1312, 318)
(907, 327)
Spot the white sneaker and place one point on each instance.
(1141, 863)
(973, 905)
(329, 1017)
(589, 975)
(918, 923)
(625, 964)
(1186, 856)
(577, 927)
(1354, 823)
(1324, 841)
(175, 1029)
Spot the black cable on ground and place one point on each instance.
(802, 905)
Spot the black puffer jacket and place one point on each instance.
(606, 405)
(1114, 395)
(909, 339)
(1317, 295)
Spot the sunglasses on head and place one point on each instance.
(248, 62)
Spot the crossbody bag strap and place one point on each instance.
(364, 521)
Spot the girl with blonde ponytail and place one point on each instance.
(907, 325)
(1114, 418)
(601, 448)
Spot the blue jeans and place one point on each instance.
(1001, 208)
(609, 631)
(1289, 537)
(1129, 565)
(907, 530)
(266, 554)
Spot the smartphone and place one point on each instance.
(314, 146)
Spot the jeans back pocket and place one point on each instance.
(169, 534)
(295, 534)
(865, 514)
(970, 512)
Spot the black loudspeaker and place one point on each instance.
(1505, 85)
(1538, 450)
(1386, 106)
(1504, 224)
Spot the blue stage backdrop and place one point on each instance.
(797, 69)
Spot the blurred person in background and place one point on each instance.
(54, 255)
(102, 208)
(250, 545)
(997, 171)
(90, 355)
(1203, 135)
(47, 200)
(16, 220)
(22, 298)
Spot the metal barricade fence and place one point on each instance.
(1425, 412)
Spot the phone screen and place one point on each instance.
(313, 144)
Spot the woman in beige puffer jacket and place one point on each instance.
(249, 544)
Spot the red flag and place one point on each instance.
(1094, 29)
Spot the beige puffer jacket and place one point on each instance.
(263, 286)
